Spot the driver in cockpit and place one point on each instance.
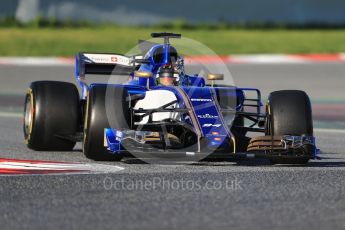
(167, 76)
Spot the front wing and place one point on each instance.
(259, 147)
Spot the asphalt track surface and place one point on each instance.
(217, 195)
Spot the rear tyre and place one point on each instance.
(105, 107)
(51, 113)
(289, 113)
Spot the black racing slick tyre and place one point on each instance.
(106, 107)
(51, 113)
(289, 113)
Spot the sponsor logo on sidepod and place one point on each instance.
(211, 125)
(200, 99)
(207, 116)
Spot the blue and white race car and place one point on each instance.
(161, 111)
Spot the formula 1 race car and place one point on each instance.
(162, 111)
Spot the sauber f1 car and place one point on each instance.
(163, 111)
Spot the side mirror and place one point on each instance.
(144, 74)
(214, 77)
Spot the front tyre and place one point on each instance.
(289, 113)
(96, 120)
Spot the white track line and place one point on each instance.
(56, 168)
(60, 166)
(330, 131)
(10, 114)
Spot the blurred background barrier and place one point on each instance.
(149, 12)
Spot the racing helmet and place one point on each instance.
(166, 75)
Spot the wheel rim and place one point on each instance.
(28, 116)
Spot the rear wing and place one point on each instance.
(103, 64)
